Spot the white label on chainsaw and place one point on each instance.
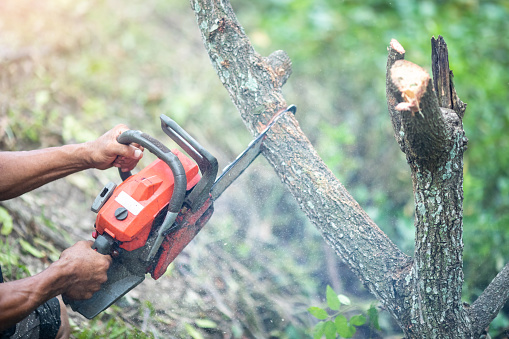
(129, 203)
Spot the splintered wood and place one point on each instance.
(412, 81)
(395, 45)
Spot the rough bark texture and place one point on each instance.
(424, 294)
(442, 78)
(490, 302)
(396, 52)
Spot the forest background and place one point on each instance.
(70, 70)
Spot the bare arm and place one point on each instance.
(21, 172)
(78, 273)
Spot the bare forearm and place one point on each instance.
(19, 298)
(23, 171)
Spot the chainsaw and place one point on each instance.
(147, 220)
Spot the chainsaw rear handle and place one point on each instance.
(163, 153)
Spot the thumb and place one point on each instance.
(136, 152)
(131, 152)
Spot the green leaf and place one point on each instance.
(344, 299)
(343, 328)
(318, 313)
(117, 331)
(358, 320)
(319, 330)
(6, 221)
(352, 330)
(205, 323)
(193, 332)
(373, 317)
(27, 247)
(332, 299)
(53, 253)
(330, 330)
(341, 323)
(237, 329)
(150, 307)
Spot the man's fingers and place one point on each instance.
(138, 146)
(128, 153)
(106, 151)
(128, 161)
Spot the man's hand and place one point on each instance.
(86, 269)
(106, 151)
(78, 274)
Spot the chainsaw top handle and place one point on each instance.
(163, 153)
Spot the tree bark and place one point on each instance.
(423, 294)
(442, 78)
(433, 141)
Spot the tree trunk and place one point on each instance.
(433, 141)
(422, 294)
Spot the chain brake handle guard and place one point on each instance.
(206, 162)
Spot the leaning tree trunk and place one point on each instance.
(422, 294)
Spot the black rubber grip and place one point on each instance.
(155, 142)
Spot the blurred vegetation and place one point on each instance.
(70, 70)
(333, 320)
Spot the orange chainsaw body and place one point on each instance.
(129, 214)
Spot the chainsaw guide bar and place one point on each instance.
(239, 165)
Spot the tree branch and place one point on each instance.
(254, 84)
(423, 128)
(490, 302)
(241, 70)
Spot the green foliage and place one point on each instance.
(193, 332)
(12, 268)
(5, 222)
(332, 299)
(373, 317)
(49, 249)
(205, 323)
(108, 324)
(318, 312)
(150, 307)
(336, 323)
(30, 249)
